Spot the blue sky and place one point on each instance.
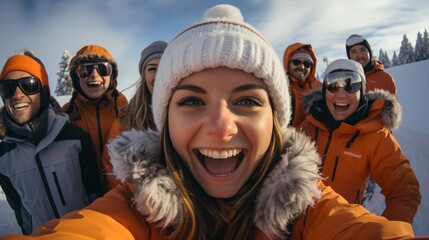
(125, 27)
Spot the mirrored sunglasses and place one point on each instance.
(297, 62)
(348, 87)
(104, 69)
(28, 85)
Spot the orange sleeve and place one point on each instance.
(109, 217)
(392, 171)
(333, 218)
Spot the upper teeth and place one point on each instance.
(220, 154)
(341, 104)
(20, 105)
(94, 83)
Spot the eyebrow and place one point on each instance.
(241, 88)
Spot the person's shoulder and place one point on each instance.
(71, 131)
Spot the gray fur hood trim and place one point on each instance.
(390, 114)
(286, 192)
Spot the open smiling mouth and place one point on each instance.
(341, 106)
(94, 84)
(220, 163)
(19, 106)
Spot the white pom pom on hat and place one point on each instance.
(224, 11)
(222, 38)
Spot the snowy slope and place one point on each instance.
(412, 84)
(413, 135)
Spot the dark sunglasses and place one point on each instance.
(348, 87)
(307, 64)
(85, 69)
(28, 85)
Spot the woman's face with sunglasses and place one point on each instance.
(20, 106)
(342, 94)
(94, 78)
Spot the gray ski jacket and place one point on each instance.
(52, 178)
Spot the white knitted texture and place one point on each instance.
(217, 42)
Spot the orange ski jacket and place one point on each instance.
(378, 78)
(352, 153)
(96, 118)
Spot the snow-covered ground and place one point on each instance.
(413, 136)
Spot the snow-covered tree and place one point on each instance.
(64, 82)
(418, 50)
(425, 45)
(406, 52)
(395, 60)
(384, 59)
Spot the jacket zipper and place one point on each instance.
(100, 137)
(46, 186)
(335, 168)
(57, 184)
(326, 148)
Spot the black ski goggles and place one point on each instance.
(28, 85)
(104, 69)
(350, 81)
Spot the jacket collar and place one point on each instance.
(287, 191)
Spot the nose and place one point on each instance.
(18, 93)
(341, 92)
(94, 72)
(300, 66)
(221, 122)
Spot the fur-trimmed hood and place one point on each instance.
(286, 192)
(390, 114)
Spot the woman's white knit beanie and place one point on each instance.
(222, 38)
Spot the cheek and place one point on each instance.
(329, 97)
(259, 133)
(82, 82)
(150, 81)
(180, 129)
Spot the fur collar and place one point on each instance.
(390, 113)
(287, 191)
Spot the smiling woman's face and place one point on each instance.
(342, 104)
(220, 123)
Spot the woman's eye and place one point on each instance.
(249, 101)
(152, 69)
(189, 101)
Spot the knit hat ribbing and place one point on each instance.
(154, 50)
(354, 40)
(222, 38)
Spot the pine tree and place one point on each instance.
(406, 52)
(387, 63)
(419, 51)
(64, 83)
(395, 60)
(384, 59)
(425, 45)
